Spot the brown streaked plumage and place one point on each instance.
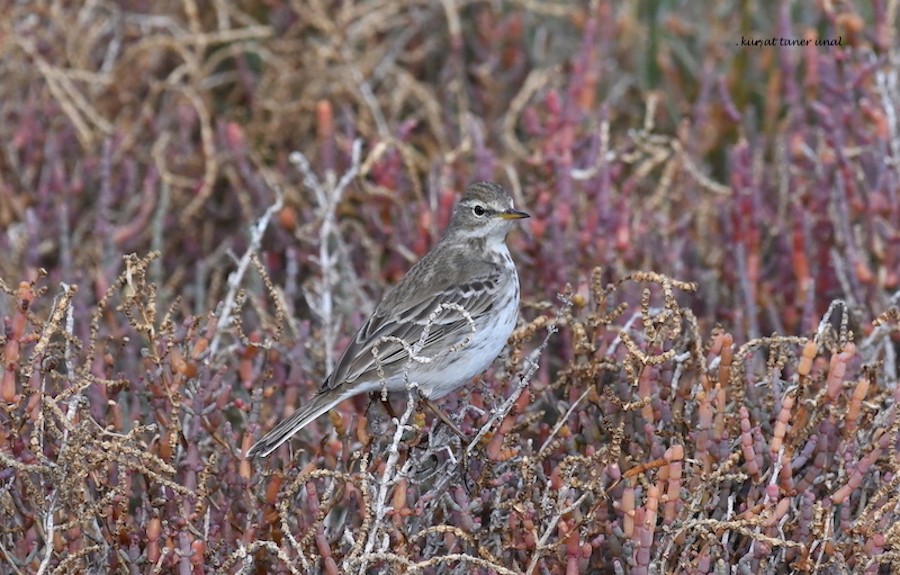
(469, 269)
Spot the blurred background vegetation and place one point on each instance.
(642, 136)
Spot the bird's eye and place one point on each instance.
(478, 210)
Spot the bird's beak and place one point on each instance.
(513, 215)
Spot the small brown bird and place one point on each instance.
(443, 324)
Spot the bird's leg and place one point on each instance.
(464, 462)
(440, 413)
(386, 404)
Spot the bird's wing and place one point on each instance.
(447, 327)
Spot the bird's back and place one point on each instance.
(460, 279)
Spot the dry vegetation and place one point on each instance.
(274, 165)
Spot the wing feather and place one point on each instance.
(449, 328)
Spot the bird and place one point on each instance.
(440, 326)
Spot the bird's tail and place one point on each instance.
(319, 404)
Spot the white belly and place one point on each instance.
(449, 370)
(459, 367)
